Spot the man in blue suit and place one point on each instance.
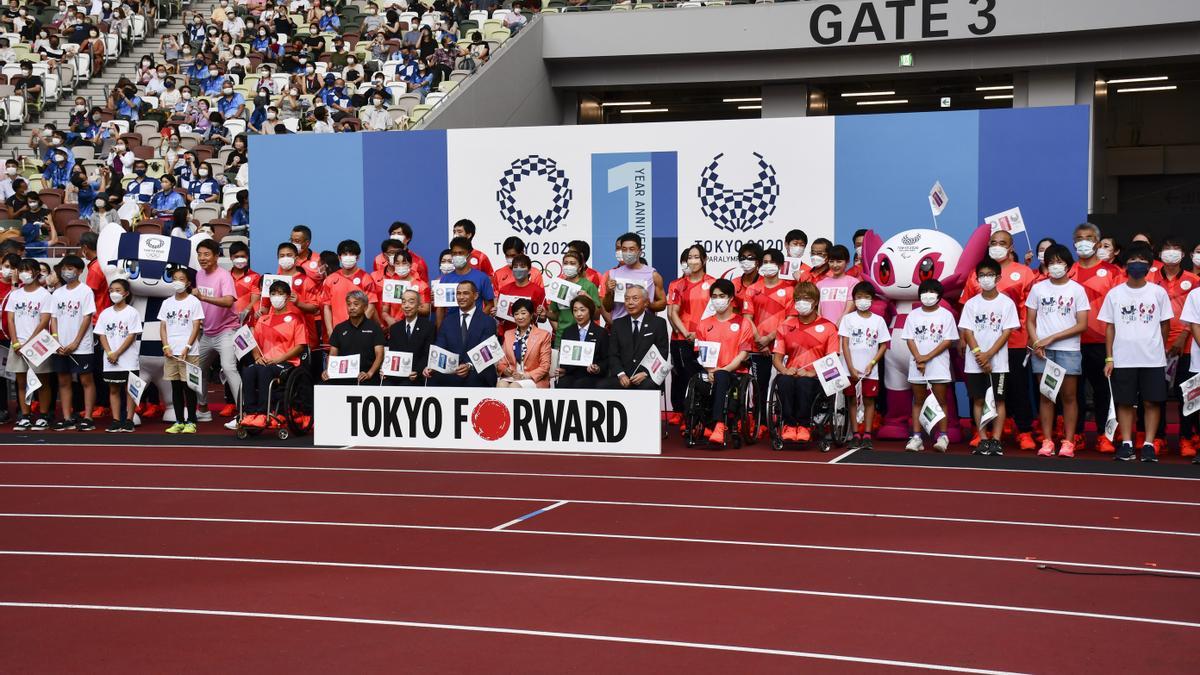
(462, 330)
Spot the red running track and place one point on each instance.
(627, 584)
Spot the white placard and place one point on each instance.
(393, 291)
(562, 292)
(243, 341)
(32, 384)
(832, 373)
(1007, 221)
(397, 364)
(989, 408)
(1052, 379)
(576, 353)
(268, 279)
(707, 353)
(1191, 395)
(709, 310)
(486, 418)
(486, 354)
(790, 267)
(504, 305)
(195, 377)
(655, 364)
(135, 387)
(931, 412)
(343, 367)
(1110, 427)
(4, 372)
(444, 295)
(40, 348)
(623, 285)
(442, 361)
(860, 412)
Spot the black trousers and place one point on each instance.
(760, 370)
(256, 379)
(796, 396)
(1093, 373)
(1017, 396)
(721, 382)
(684, 367)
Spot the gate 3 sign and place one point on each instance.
(622, 422)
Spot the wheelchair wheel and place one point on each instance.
(748, 411)
(775, 417)
(822, 422)
(298, 402)
(840, 420)
(694, 411)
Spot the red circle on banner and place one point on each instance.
(490, 419)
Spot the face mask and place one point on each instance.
(1104, 253)
(818, 260)
(929, 299)
(240, 263)
(116, 297)
(998, 253)
(769, 269)
(10, 170)
(80, 108)
(34, 206)
(26, 277)
(349, 261)
(1196, 259)
(1057, 271)
(187, 95)
(203, 173)
(55, 141)
(278, 301)
(629, 257)
(227, 91)
(748, 265)
(858, 252)
(570, 271)
(520, 273)
(459, 261)
(804, 307)
(720, 304)
(1085, 248)
(446, 268)
(862, 304)
(6, 273)
(987, 283)
(403, 270)
(139, 172)
(178, 286)
(287, 262)
(1172, 256)
(378, 103)
(1137, 270)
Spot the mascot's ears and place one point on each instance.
(973, 252)
(871, 245)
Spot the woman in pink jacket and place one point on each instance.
(526, 351)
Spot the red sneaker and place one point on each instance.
(974, 440)
(1026, 442)
(1047, 448)
(718, 434)
(258, 421)
(1105, 445)
(1160, 447)
(803, 435)
(1066, 450)
(789, 434)
(1187, 448)
(229, 410)
(99, 411)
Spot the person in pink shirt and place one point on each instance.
(837, 287)
(215, 288)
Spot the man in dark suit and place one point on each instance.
(632, 337)
(413, 334)
(462, 330)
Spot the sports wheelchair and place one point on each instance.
(740, 418)
(830, 415)
(289, 402)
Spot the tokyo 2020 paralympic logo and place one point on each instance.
(738, 210)
(534, 222)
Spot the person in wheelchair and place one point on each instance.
(281, 336)
(735, 339)
(802, 339)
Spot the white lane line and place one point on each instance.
(842, 456)
(602, 535)
(507, 631)
(604, 579)
(675, 479)
(602, 502)
(529, 515)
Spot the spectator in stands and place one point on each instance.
(58, 171)
(516, 20)
(329, 21)
(281, 339)
(321, 125)
(527, 348)
(441, 62)
(82, 192)
(239, 213)
(377, 117)
(217, 135)
(166, 203)
(6, 182)
(97, 133)
(204, 188)
(215, 288)
(231, 104)
(31, 84)
(142, 187)
(121, 159)
(102, 214)
(17, 199)
(583, 328)
(465, 327)
(631, 337)
(476, 53)
(78, 122)
(126, 102)
(38, 229)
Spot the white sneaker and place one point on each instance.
(203, 416)
(942, 443)
(915, 444)
(232, 424)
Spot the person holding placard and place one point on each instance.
(687, 299)
(72, 310)
(281, 336)
(464, 328)
(864, 342)
(1137, 318)
(413, 333)
(929, 333)
(766, 304)
(1190, 316)
(1059, 315)
(633, 272)
(735, 337)
(583, 329)
(520, 284)
(359, 335)
(801, 340)
(987, 321)
(631, 337)
(526, 349)
(119, 329)
(27, 312)
(388, 277)
(562, 317)
(461, 269)
(796, 243)
(180, 319)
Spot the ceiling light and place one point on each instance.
(749, 107)
(856, 94)
(748, 99)
(644, 110)
(999, 87)
(998, 97)
(1168, 87)
(620, 103)
(887, 102)
(1131, 80)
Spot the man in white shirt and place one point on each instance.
(376, 117)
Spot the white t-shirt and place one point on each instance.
(987, 319)
(1057, 307)
(1191, 314)
(177, 316)
(927, 330)
(1137, 315)
(70, 307)
(116, 326)
(27, 309)
(864, 337)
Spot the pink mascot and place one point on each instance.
(897, 267)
